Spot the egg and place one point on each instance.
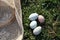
(33, 16)
(37, 30)
(41, 18)
(33, 24)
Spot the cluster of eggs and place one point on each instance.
(33, 24)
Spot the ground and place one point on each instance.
(50, 9)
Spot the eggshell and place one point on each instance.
(33, 16)
(33, 24)
(37, 30)
(41, 18)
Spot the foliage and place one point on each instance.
(50, 9)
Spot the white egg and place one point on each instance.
(33, 24)
(37, 30)
(33, 16)
(41, 18)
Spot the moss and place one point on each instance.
(51, 27)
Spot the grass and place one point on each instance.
(51, 12)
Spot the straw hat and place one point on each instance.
(11, 27)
